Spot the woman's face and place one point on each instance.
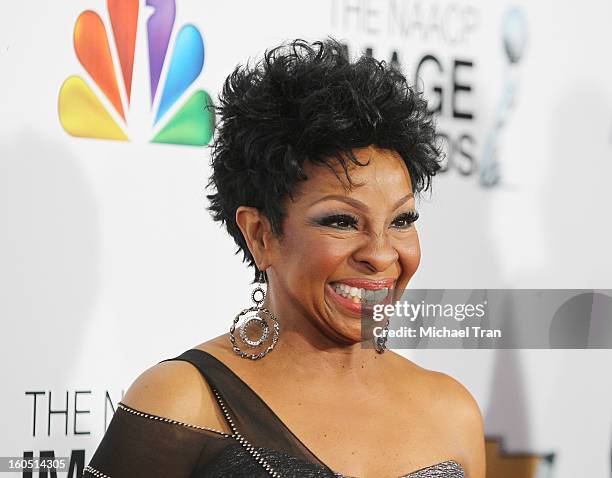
(340, 244)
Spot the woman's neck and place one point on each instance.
(305, 351)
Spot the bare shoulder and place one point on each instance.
(454, 409)
(175, 389)
(440, 389)
(452, 395)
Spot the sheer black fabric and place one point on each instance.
(138, 444)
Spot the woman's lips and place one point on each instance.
(370, 284)
(355, 304)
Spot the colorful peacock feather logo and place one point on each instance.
(83, 114)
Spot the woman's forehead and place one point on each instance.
(385, 172)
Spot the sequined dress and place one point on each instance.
(138, 444)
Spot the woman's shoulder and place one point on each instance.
(175, 389)
(448, 406)
(444, 393)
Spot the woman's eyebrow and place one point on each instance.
(356, 203)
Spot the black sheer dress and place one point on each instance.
(138, 444)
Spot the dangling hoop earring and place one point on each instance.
(253, 317)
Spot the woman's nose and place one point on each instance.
(377, 253)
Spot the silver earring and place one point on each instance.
(380, 343)
(254, 317)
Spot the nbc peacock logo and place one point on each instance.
(98, 106)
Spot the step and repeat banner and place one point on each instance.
(110, 263)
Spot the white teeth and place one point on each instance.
(356, 294)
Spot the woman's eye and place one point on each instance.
(404, 221)
(340, 221)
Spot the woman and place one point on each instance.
(315, 166)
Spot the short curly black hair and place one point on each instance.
(308, 101)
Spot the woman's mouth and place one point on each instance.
(359, 295)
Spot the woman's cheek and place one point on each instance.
(319, 254)
(409, 257)
(326, 254)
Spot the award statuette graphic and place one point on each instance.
(514, 31)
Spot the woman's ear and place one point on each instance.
(257, 232)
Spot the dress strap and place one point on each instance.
(246, 412)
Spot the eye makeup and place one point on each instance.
(338, 221)
(343, 220)
(405, 219)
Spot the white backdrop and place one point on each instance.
(110, 263)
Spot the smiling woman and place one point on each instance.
(316, 165)
(349, 238)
